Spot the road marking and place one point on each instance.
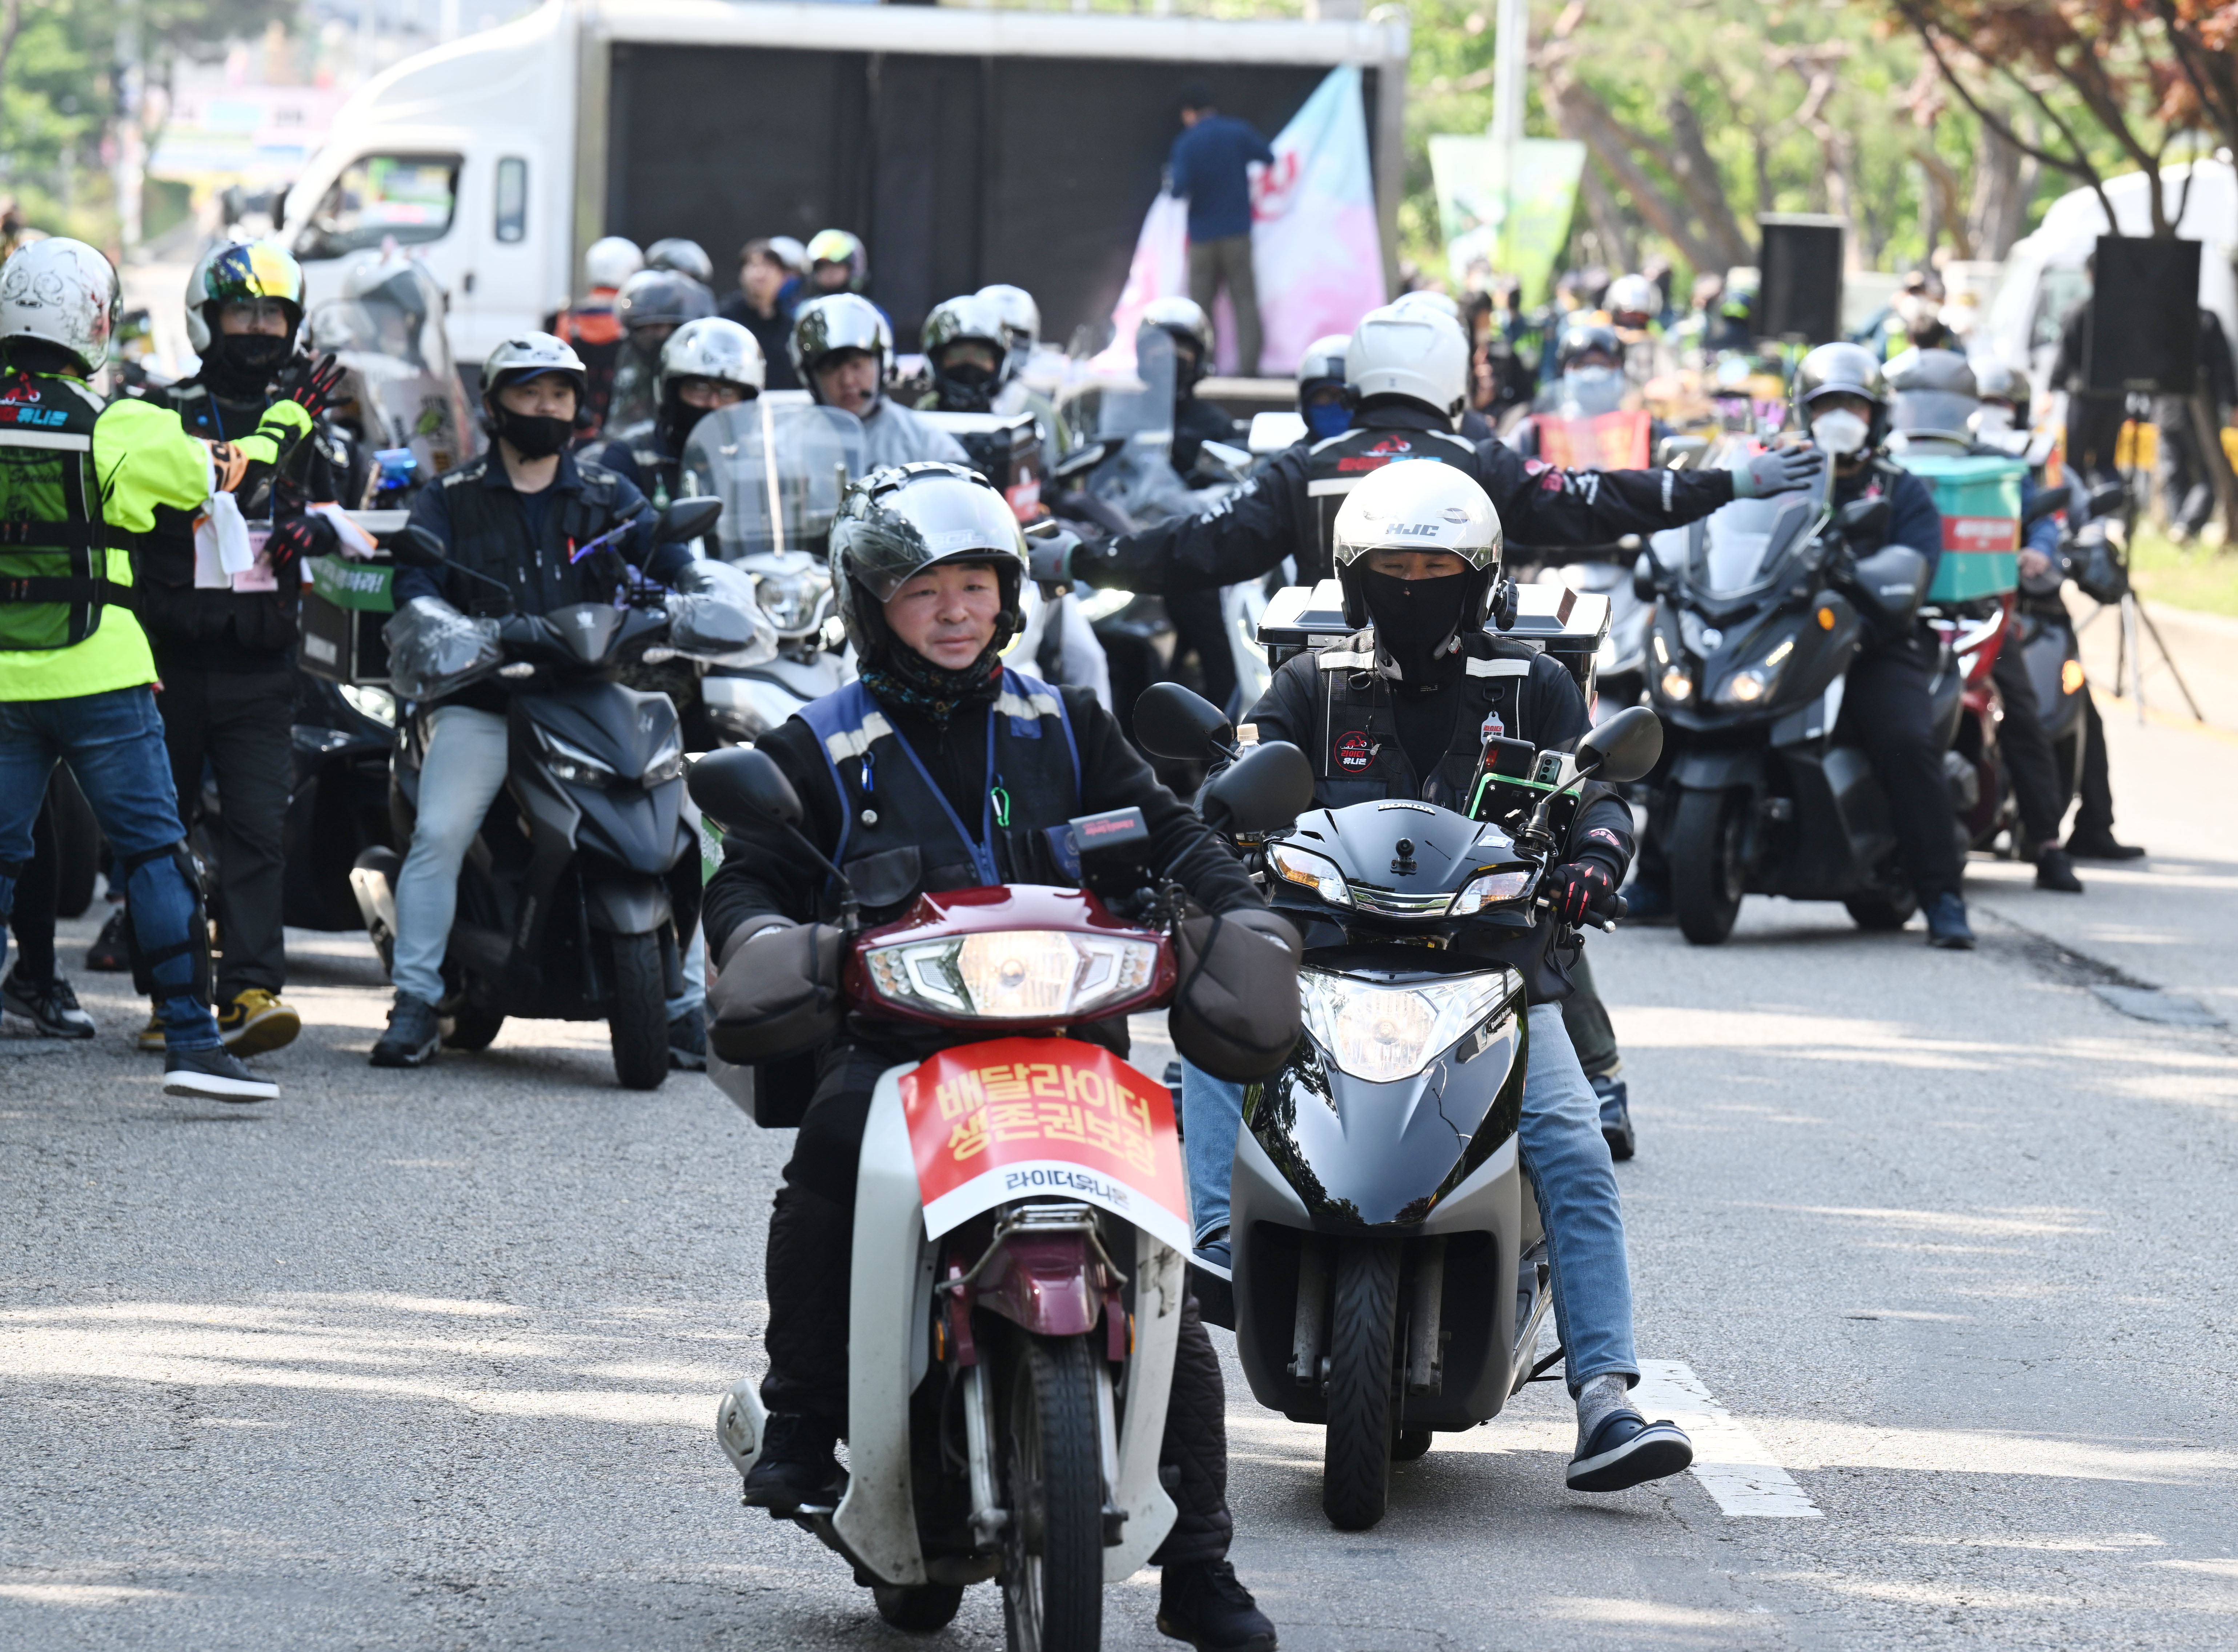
(1731, 1464)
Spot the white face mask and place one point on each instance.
(1840, 431)
(1992, 421)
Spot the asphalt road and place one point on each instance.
(1936, 1247)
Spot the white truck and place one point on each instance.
(965, 146)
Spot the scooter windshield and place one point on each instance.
(779, 468)
(398, 390)
(1745, 545)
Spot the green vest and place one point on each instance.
(56, 576)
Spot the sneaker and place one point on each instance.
(256, 1021)
(1648, 903)
(1616, 1115)
(1946, 924)
(1203, 1604)
(1216, 1255)
(415, 1033)
(687, 1042)
(1627, 1450)
(108, 955)
(1211, 1280)
(213, 1075)
(151, 1036)
(797, 1471)
(50, 1006)
(2055, 871)
(2102, 846)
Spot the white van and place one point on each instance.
(2044, 278)
(964, 145)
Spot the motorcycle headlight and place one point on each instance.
(376, 703)
(1316, 874)
(790, 600)
(667, 763)
(1752, 684)
(1014, 975)
(570, 763)
(1386, 1034)
(1488, 890)
(1677, 685)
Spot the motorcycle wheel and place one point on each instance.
(1882, 912)
(474, 1030)
(1707, 878)
(1052, 1479)
(77, 844)
(918, 1607)
(1356, 1456)
(638, 1023)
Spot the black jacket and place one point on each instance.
(1272, 516)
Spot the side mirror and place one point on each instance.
(1170, 722)
(418, 547)
(2047, 500)
(1624, 748)
(2107, 497)
(1866, 519)
(1643, 577)
(1264, 791)
(1680, 453)
(740, 785)
(686, 519)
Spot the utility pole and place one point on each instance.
(1511, 60)
(129, 170)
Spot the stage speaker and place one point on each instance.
(1800, 299)
(2143, 328)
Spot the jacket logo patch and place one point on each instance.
(1354, 751)
(1493, 729)
(1375, 457)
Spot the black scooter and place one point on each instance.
(1757, 621)
(586, 874)
(1390, 1273)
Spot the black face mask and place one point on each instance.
(965, 388)
(532, 435)
(245, 363)
(1414, 617)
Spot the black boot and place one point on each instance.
(1203, 1604)
(2055, 871)
(796, 1469)
(413, 1036)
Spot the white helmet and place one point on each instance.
(1323, 362)
(64, 292)
(790, 252)
(1417, 353)
(1429, 298)
(1631, 296)
(1184, 318)
(838, 321)
(612, 259)
(1021, 317)
(714, 347)
(684, 257)
(529, 355)
(1417, 505)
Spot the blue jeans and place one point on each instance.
(460, 777)
(113, 744)
(1572, 1175)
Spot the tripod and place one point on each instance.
(2128, 654)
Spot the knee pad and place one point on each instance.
(196, 944)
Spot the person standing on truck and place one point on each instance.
(844, 350)
(761, 306)
(1210, 167)
(594, 328)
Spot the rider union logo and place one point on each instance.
(1354, 751)
(1493, 728)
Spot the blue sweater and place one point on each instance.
(1207, 166)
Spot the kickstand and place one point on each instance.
(1547, 1364)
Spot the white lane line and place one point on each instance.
(1730, 1462)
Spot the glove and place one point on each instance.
(1236, 1011)
(1580, 889)
(520, 631)
(775, 992)
(315, 385)
(1049, 560)
(1776, 472)
(298, 536)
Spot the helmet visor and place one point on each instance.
(253, 270)
(938, 518)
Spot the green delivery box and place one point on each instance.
(1980, 500)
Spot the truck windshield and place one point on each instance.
(403, 198)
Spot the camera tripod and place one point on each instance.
(2135, 622)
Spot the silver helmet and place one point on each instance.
(64, 292)
(824, 327)
(714, 347)
(530, 355)
(1021, 318)
(684, 257)
(899, 521)
(1185, 321)
(1421, 506)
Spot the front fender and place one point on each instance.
(627, 905)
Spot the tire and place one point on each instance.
(474, 1030)
(1363, 1322)
(637, 1022)
(77, 844)
(1051, 1472)
(1707, 878)
(918, 1607)
(1881, 913)
(1410, 1443)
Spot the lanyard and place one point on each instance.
(983, 858)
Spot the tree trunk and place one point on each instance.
(1704, 186)
(1579, 114)
(1607, 219)
(1999, 207)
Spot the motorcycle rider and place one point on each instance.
(224, 642)
(1021, 322)
(1324, 399)
(969, 355)
(1590, 379)
(592, 327)
(683, 257)
(653, 305)
(844, 350)
(515, 514)
(928, 567)
(1196, 421)
(1404, 708)
(707, 364)
(75, 670)
(1472, 425)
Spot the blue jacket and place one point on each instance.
(1913, 519)
(1206, 166)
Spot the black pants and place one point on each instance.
(810, 1242)
(1198, 629)
(2094, 424)
(1887, 711)
(2095, 817)
(32, 918)
(2027, 749)
(1587, 1020)
(240, 722)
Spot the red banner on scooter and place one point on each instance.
(1044, 1118)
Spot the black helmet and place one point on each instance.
(1842, 369)
(1581, 336)
(900, 520)
(662, 298)
(1933, 393)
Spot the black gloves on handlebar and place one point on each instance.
(775, 992)
(1235, 1012)
(520, 630)
(1581, 890)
